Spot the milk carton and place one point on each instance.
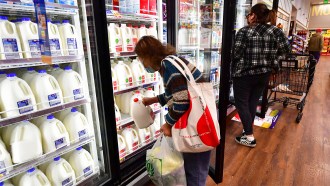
(139, 74)
(5, 161)
(121, 146)
(126, 35)
(54, 134)
(69, 38)
(142, 31)
(28, 32)
(124, 75)
(71, 85)
(29, 74)
(59, 172)
(77, 125)
(16, 97)
(33, 177)
(151, 31)
(115, 39)
(10, 46)
(56, 71)
(82, 163)
(55, 41)
(131, 138)
(142, 115)
(46, 90)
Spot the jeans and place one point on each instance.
(316, 55)
(196, 166)
(247, 92)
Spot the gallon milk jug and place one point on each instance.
(10, 46)
(115, 40)
(71, 85)
(77, 125)
(3, 75)
(139, 74)
(33, 177)
(125, 102)
(142, 115)
(16, 97)
(59, 172)
(126, 35)
(114, 79)
(135, 37)
(117, 114)
(5, 161)
(25, 142)
(6, 183)
(150, 93)
(142, 31)
(136, 94)
(82, 163)
(56, 71)
(2, 143)
(144, 135)
(121, 147)
(151, 31)
(29, 74)
(43, 167)
(54, 134)
(183, 35)
(61, 115)
(55, 41)
(28, 32)
(124, 75)
(69, 38)
(46, 90)
(38, 121)
(132, 139)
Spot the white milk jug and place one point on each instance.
(124, 75)
(77, 125)
(28, 32)
(142, 31)
(132, 139)
(25, 142)
(54, 134)
(183, 35)
(61, 115)
(125, 102)
(121, 146)
(10, 46)
(142, 115)
(46, 90)
(6, 183)
(2, 143)
(144, 135)
(38, 121)
(126, 35)
(43, 167)
(5, 161)
(82, 163)
(139, 74)
(150, 93)
(16, 97)
(117, 114)
(29, 74)
(155, 127)
(69, 38)
(33, 177)
(151, 31)
(136, 94)
(114, 79)
(71, 85)
(59, 172)
(56, 71)
(115, 40)
(3, 75)
(55, 41)
(135, 37)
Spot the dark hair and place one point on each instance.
(153, 50)
(264, 15)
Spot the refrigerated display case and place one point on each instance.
(51, 37)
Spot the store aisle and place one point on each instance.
(289, 154)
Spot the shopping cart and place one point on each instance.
(290, 85)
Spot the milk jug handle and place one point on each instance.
(25, 87)
(128, 70)
(67, 167)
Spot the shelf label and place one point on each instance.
(24, 106)
(72, 46)
(35, 48)
(54, 99)
(88, 171)
(10, 46)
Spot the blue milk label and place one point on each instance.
(24, 106)
(3, 170)
(83, 134)
(78, 93)
(59, 143)
(10, 45)
(67, 2)
(87, 171)
(55, 47)
(54, 99)
(35, 48)
(67, 182)
(72, 46)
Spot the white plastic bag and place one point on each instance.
(165, 165)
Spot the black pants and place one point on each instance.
(247, 91)
(316, 55)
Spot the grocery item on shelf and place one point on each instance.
(142, 115)
(10, 45)
(122, 6)
(56, 22)
(139, 73)
(183, 35)
(124, 103)
(142, 31)
(16, 97)
(152, 7)
(124, 75)
(117, 114)
(115, 4)
(5, 161)
(131, 138)
(28, 33)
(144, 6)
(59, 172)
(135, 37)
(77, 125)
(69, 37)
(144, 135)
(82, 163)
(67, 2)
(29, 74)
(56, 71)
(136, 94)
(55, 41)
(54, 134)
(115, 39)
(152, 77)
(150, 93)
(129, 6)
(155, 127)
(6, 183)
(71, 85)
(33, 177)
(126, 37)
(114, 79)
(46, 90)
(121, 146)
(3, 75)
(43, 167)
(62, 114)
(136, 6)
(2, 143)
(152, 32)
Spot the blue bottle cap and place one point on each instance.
(42, 71)
(48, 20)
(30, 69)
(56, 66)
(11, 75)
(26, 19)
(31, 170)
(79, 148)
(74, 109)
(2, 72)
(65, 21)
(2, 183)
(3, 18)
(50, 116)
(56, 22)
(68, 68)
(57, 158)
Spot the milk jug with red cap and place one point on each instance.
(131, 138)
(143, 116)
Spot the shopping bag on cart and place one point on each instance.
(165, 164)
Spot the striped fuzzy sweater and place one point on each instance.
(176, 90)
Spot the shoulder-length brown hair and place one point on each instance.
(264, 15)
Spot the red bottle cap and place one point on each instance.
(136, 100)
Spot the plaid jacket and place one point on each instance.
(257, 49)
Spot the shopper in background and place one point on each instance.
(255, 54)
(152, 53)
(315, 44)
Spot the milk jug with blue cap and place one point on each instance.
(82, 163)
(6, 183)
(55, 41)
(56, 71)
(5, 161)
(69, 38)
(10, 45)
(77, 125)
(3, 75)
(33, 177)
(29, 74)
(60, 173)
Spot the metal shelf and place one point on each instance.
(21, 168)
(188, 47)
(122, 54)
(27, 62)
(114, 16)
(129, 89)
(28, 116)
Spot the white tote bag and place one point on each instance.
(198, 129)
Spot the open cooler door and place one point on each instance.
(52, 116)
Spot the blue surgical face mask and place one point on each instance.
(150, 70)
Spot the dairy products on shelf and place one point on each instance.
(29, 74)
(142, 115)
(77, 125)
(125, 100)
(10, 46)
(152, 7)
(54, 134)
(115, 39)
(43, 167)
(139, 74)
(71, 85)
(144, 135)
(55, 71)
(16, 97)
(136, 94)
(55, 41)
(59, 172)
(5, 161)
(135, 37)
(183, 35)
(2, 143)
(33, 177)
(3, 75)
(131, 138)
(6, 183)
(114, 79)
(61, 115)
(122, 6)
(144, 6)
(142, 31)
(136, 6)
(150, 93)
(126, 35)
(124, 75)
(67, 2)
(151, 31)
(121, 146)
(69, 38)
(117, 114)
(82, 163)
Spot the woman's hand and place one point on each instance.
(148, 101)
(166, 129)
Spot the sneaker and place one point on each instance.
(244, 141)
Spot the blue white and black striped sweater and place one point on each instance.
(176, 89)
